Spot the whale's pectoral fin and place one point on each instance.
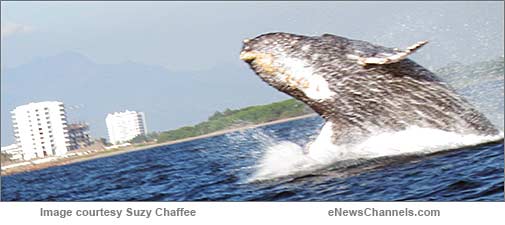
(324, 140)
(389, 57)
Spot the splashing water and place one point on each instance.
(285, 158)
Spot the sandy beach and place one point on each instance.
(107, 153)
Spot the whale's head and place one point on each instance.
(311, 68)
(294, 64)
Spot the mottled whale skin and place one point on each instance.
(360, 88)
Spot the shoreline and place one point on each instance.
(107, 153)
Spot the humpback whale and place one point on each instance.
(360, 88)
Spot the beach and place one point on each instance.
(30, 166)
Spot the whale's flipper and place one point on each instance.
(324, 139)
(387, 57)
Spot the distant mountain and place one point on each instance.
(170, 99)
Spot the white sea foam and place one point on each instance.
(288, 159)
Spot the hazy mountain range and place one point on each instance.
(91, 90)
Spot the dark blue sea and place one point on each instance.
(220, 168)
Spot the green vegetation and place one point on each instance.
(238, 118)
(139, 139)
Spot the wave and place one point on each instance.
(288, 159)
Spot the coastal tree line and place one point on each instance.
(229, 119)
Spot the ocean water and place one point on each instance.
(268, 164)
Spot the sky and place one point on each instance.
(200, 36)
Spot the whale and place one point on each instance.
(361, 89)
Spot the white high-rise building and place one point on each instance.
(124, 126)
(40, 129)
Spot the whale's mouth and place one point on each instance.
(262, 62)
(247, 56)
(287, 74)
